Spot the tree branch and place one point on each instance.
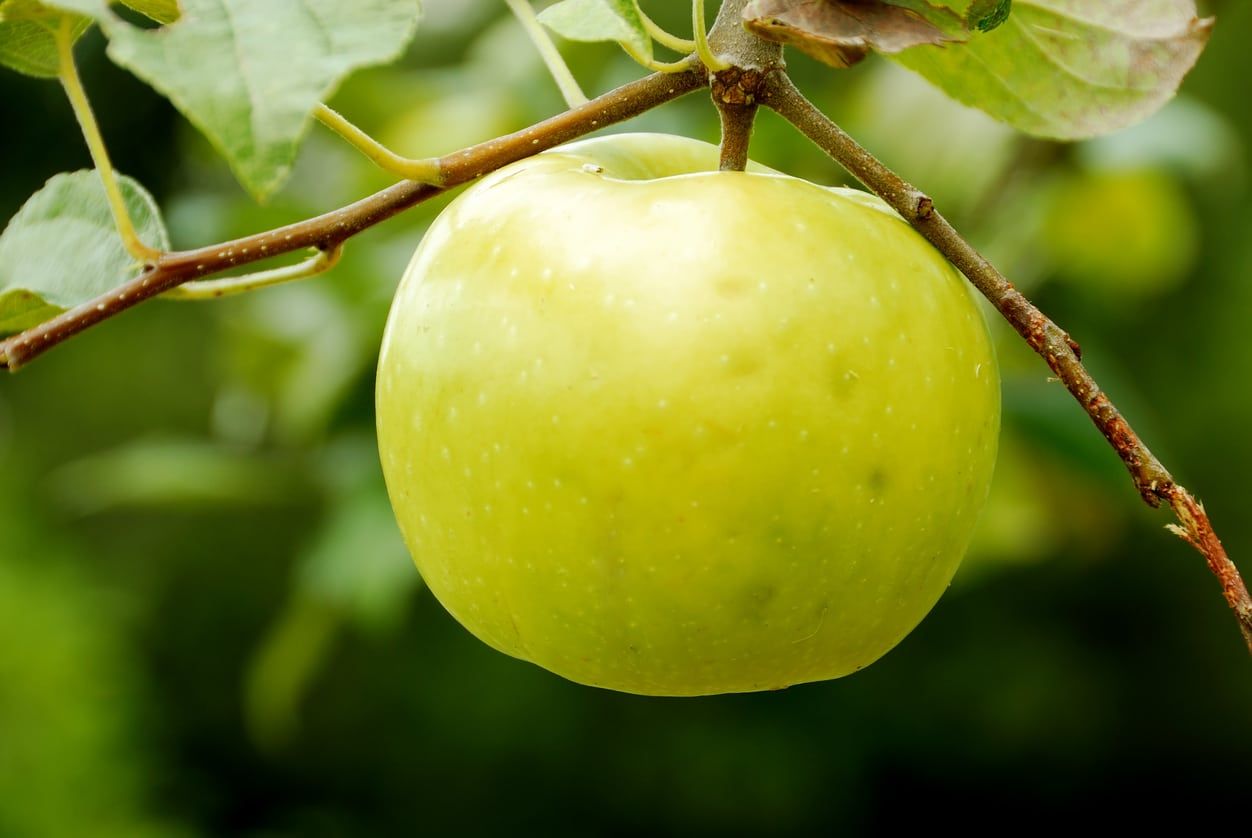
(1053, 344)
(326, 232)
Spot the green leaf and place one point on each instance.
(62, 249)
(357, 561)
(249, 74)
(162, 11)
(600, 20)
(28, 36)
(985, 15)
(355, 569)
(173, 473)
(1070, 69)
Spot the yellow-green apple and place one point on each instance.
(676, 431)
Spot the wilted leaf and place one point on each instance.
(842, 32)
(28, 36)
(1070, 69)
(62, 249)
(249, 74)
(600, 20)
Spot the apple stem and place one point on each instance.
(745, 61)
(1050, 341)
(737, 121)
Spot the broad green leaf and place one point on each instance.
(1070, 69)
(61, 249)
(249, 74)
(600, 20)
(28, 35)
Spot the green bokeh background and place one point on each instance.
(208, 624)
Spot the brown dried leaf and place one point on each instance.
(842, 32)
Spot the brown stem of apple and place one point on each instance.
(737, 122)
(1050, 341)
(328, 231)
(734, 89)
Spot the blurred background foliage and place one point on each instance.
(208, 624)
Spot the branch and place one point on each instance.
(327, 232)
(1053, 344)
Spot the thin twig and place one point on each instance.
(213, 289)
(420, 169)
(685, 46)
(551, 56)
(326, 232)
(701, 35)
(1053, 344)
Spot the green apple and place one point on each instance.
(675, 431)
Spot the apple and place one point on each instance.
(675, 431)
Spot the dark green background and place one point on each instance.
(207, 625)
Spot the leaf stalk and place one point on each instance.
(73, 86)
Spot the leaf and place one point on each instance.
(28, 28)
(173, 473)
(357, 561)
(355, 569)
(162, 11)
(249, 74)
(985, 15)
(62, 249)
(28, 36)
(842, 32)
(1070, 69)
(600, 20)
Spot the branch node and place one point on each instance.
(1074, 347)
(736, 86)
(925, 208)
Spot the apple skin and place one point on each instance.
(674, 431)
